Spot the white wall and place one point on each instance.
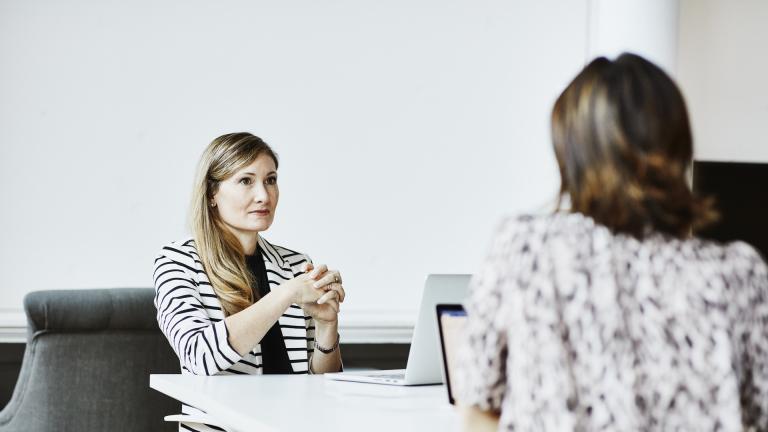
(645, 27)
(723, 71)
(406, 129)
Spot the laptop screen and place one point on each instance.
(451, 319)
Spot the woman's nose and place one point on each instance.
(260, 194)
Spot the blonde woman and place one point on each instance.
(229, 301)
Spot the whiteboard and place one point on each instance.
(405, 130)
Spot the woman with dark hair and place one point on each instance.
(229, 301)
(610, 315)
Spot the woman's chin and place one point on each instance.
(259, 227)
(252, 227)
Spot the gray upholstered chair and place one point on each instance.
(87, 363)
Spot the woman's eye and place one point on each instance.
(272, 181)
(245, 180)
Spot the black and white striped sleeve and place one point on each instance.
(201, 343)
(310, 323)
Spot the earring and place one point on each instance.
(213, 203)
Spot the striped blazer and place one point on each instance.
(191, 317)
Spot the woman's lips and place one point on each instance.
(260, 212)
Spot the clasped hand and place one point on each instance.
(319, 292)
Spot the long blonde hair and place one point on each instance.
(220, 251)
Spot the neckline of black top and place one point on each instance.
(274, 355)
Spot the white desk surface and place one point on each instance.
(266, 403)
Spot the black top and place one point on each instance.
(274, 355)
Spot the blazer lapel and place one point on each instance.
(292, 323)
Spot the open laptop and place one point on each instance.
(451, 319)
(423, 365)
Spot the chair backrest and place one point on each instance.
(87, 363)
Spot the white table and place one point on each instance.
(248, 403)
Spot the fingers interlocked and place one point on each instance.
(329, 281)
(331, 298)
(329, 277)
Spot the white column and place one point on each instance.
(645, 27)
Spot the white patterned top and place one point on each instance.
(572, 327)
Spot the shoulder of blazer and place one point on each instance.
(183, 252)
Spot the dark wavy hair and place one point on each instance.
(623, 144)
